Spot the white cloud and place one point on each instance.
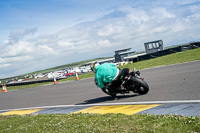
(16, 59)
(159, 29)
(18, 34)
(65, 44)
(186, 1)
(195, 9)
(4, 65)
(121, 27)
(44, 49)
(104, 43)
(19, 48)
(135, 16)
(162, 13)
(109, 30)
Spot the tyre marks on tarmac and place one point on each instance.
(184, 109)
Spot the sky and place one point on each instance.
(40, 34)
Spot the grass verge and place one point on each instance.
(85, 123)
(27, 86)
(176, 58)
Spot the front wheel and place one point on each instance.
(144, 88)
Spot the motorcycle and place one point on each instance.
(125, 82)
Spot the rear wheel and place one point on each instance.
(144, 88)
(141, 86)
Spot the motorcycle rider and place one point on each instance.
(105, 74)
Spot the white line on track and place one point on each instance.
(107, 104)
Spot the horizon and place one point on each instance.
(35, 72)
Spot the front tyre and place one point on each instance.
(143, 88)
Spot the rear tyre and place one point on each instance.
(144, 88)
(141, 86)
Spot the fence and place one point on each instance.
(35, 81)
(30, 82)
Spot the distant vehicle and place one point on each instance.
(84, 70)
(70, 70)
(39, 76)
(10, 81)
(50, 75)
(116, 64)
(20, 80)
(58, 74)
(69, 74)
(77, 70)
(89, 69)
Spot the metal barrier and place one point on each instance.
(28, 82)
(36, 81)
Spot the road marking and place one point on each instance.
(123, 109)
(104, 104)
(184, 109)
(20, 112)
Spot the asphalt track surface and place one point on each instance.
(167, 83)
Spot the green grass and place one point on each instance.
(186, 56)
(176, 58)
(27, 86)
(86, 123)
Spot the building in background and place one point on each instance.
(154, 46)
(122, 53)
(119, 56)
